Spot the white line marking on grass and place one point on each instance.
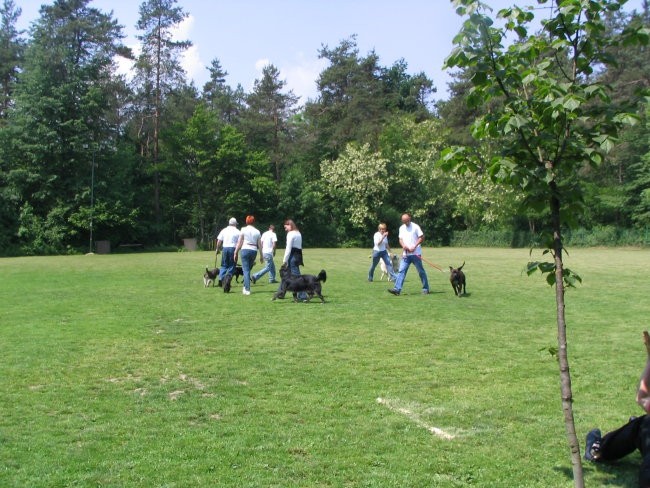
(414, 417)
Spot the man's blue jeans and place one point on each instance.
(269, 267)
(227, 262)
(403, 268)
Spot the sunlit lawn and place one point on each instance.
(123, 370)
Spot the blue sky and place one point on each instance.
(245, 35)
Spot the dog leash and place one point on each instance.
(432, 264)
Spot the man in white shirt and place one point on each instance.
(410, 238)
(226, 241)
(269, 242)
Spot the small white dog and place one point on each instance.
(384, 272)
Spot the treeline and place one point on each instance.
(153, 159)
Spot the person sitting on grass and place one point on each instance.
(633, 435)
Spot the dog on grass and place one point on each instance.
(309, 284)
(457, 279)
(384, 272)
(226, 283)
(239, 271)
(210, 276)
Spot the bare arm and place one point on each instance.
(643, 393)
(240, 242)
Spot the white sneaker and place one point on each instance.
(245, 291)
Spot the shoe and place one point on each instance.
(425, 292)
(369, 280)
(393, 291)
(253, 279)
(273, 281)
(245, 291)
(592, 445)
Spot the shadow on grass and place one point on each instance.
(623, 474)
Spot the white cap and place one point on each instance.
(232, 221)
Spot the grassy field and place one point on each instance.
(123, 370)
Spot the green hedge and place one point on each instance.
(598, 236)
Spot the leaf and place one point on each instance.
(517, 122)
(550, 279)
(570, 278)
(626, 119)
(571, 103)
(552, 350)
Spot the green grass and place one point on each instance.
(123, 370)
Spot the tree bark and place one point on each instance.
(563, 356)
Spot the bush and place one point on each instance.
(608, 236)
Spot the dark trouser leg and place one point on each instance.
(644, 446)
(622, 441)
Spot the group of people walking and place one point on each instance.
(248, 242)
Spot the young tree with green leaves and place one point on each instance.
(549, 122)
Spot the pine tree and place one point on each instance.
(158, 73)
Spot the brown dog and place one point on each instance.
(457, 279)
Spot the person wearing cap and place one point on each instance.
(227, 241)
(249, 244)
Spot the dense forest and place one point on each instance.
(87, 153)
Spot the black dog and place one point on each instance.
(210, 276)
(226, 283)
(239, 271)
(308, 283)
(457, 279)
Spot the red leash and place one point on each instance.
(432, 264)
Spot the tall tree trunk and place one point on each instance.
(563, 357)
(201, 219)
(156, 126)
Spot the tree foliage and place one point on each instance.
(357, 179)
(161, 159)
(552, 119)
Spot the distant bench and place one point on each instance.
(133, 245)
